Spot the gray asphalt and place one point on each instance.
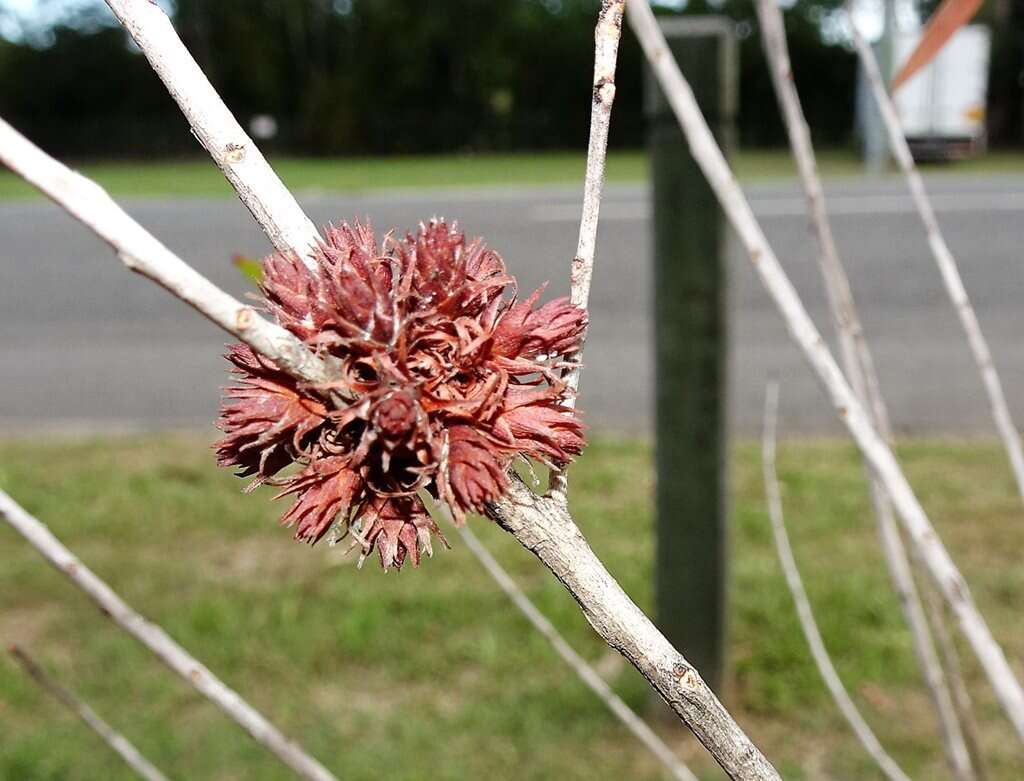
(86, 346)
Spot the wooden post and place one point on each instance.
(690, 350)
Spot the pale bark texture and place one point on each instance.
(143, 253)
(859, 367)
(579, 665)
(546, 529)
(805, 614)
(950, 658)
(944, 260)
(160, 643)
(117, 742)
(543, 526)
(213, 125)
(522, 512)
(606, 51)
(940, 566)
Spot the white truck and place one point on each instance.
(942, 107)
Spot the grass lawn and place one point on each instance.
(199, 178)
(432, 673)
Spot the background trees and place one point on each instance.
(358, 77)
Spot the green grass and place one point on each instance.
(199, 178)
(432, 672)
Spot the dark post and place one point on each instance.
(690, 350)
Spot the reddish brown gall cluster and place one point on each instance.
(443, 379)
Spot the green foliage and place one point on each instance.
(385, 77)
(198, 178)
(824, 74)
(86, 92)
(393, 673)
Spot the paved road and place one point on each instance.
(85, 345)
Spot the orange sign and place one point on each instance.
(947, 19)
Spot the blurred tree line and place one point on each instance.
(387, 76)
(1006, 81)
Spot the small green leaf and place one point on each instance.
(249, 267)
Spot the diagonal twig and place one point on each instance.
(944, 259)
(541, 525)
(579, 665)
(143, 253)
(547, 530)
(237, 156)
(155, 36)
(951, 664)
(877, 452)
(118, 743)
(803, 605)
(160, 643)
(606, 51)
(860, 369)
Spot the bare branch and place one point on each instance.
(951, 664)
(547, 530)
(141, 252)
(579, 665)
(803, 604)
(944, 259)
(940, 566)
(242, 163)
(117, 742)
(541, 525)
(606, 52)
(859, 367)
(857, 358)
(160, 643)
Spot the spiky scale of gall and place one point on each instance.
(443, 377)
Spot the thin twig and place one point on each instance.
(950, 659)
(860, 369)
(215, 128)
(545, 528)
(237, 156)
(944, 259)
(143, 253)
(115, 740)
(579, 665)
(941, 567)
(541, 525)
(160, 643)
(857, 359)
(803, 604)
(606, 52)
